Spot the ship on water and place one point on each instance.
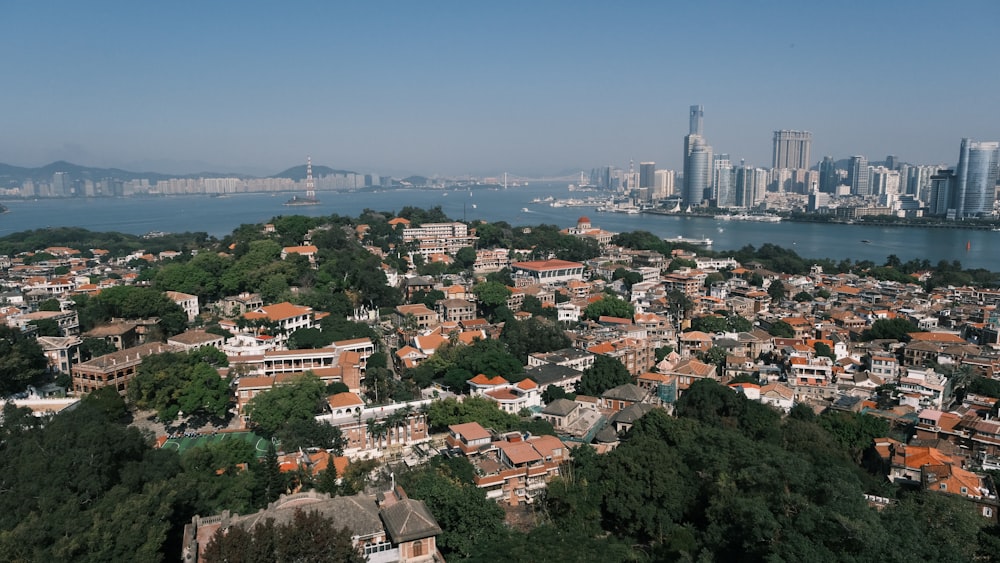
(310, 198)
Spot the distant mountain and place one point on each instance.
(17, 174)
(298, 173)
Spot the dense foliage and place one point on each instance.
(309, 536)
(182, 382)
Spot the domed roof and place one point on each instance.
(583, 219)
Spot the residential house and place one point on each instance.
(187, 302)
(387, 527)
(115, 369)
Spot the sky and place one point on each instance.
(456, 87)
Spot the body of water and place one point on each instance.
(218, 216)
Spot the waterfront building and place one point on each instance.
(828, 178)
(791, 149)
(647, 174)
(857, 175)
(663, 184)
(697, 160)
(975, 178)
(722, 179)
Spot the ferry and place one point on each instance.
(703, 241)
(748, 217)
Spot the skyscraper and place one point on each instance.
(722, 179)
(697, 161)
(828, 175)
(647, 174)
(857, 175)
(791, 149)
(695, 117)
(975, 178)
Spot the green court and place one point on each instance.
(183, 443)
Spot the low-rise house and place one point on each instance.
(62, 352)
(195, 339)
(387, 527)
(237, 305)
(187, 302)
(115, 369)
(568, 357)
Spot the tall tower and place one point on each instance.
(647, 174)
(310, 184)
(858, 175)
(791, 149)
(696, 117)
(828, 175)
(697, 160)
(975, 178)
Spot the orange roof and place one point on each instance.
(483, 380)
(278, 312)
(345, 399)
(310, 249)
(542, 265)
(527, 384)
(519, 452)
(936, 337)
(470, 431)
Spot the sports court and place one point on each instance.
(184, 442)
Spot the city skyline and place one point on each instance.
(482, 89)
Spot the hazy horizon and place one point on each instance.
(463, 88)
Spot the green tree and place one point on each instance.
(776, 290)
(22, 361)
(49, 305)
(185, 382)
(307, 537)
(781, 329)
(465, 257)
(300, 399)
(609, 306)
(465, 515)
(607, 372)
(893, 329)
(491, 295)
(533, 335)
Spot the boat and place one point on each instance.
(866, 241)
(703, 241)
(524, 210)
(297, 201)
(749, 217)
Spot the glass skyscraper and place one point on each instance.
(975, 178)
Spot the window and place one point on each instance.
(987, 512)
(944, 486)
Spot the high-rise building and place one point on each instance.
(663, 184)
(647, 174)
(696, 170)
(749, 185)
(975, 178)
(940, 192)
(696, 117)
(722, 180)
(697, 161)
(791, 149)
(828, 175)
(857, 176)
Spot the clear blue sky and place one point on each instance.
(483, 87)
